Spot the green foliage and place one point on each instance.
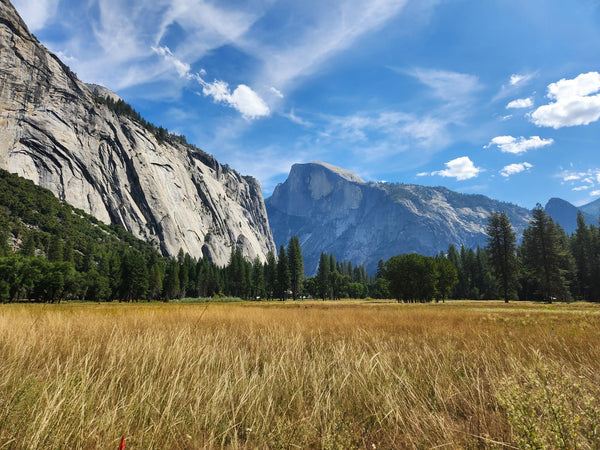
(550, 410)
(283, 274)
(121, 108)
(296, 265)
(50, 251)
(546, 257)
(322, 279)
(502, 248)
(412, 277)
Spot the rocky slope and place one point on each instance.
(53, 132)
(334, 211)
(565, 213)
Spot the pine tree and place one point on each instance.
(323, 273)
(155, 281)
(270, 270)
(258, 280)
(582, 246)
(545, 256)
(502, 247)
(171, 281)
(283, 274)
(296, 266)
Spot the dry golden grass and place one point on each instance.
(317, 375)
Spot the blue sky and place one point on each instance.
(498, 97)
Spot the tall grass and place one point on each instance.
(299, 375)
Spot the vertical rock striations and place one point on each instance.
(332, 210)
(53, 132)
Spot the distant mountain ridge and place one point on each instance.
(332, 210)
(565, 213)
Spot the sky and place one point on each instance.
(494, 97)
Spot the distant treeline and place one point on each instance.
(50, 251)
(122, 108)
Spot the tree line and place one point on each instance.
(50, 251)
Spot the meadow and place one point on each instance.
(300, 375)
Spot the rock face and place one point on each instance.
(53, 132)
(565, 213)
(332, 210)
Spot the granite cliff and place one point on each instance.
(55, 133)
(332, 210)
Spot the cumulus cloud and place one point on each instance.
(520, 103)
(510, 144)
(573, 103)
(512, 169)
(460, 168)
(243, 98)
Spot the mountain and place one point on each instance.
(592, 210)
(332, 210)
(102, 158)
(565, 214)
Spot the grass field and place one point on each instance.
(297, 375)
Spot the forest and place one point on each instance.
(50, 251)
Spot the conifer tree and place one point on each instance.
(502, 247)
(270, 269)
(258, 280)
(582, 246)
(283, 274)
(296, 266)
(323, 273)
(544, 256)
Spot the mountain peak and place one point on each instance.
(332, 210)
(102, 91)
(343, 173)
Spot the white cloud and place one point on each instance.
(573, 103)
(516, 78)
(402, 130)
(183, 69)
(510, 144)
(293, 117)
(512, 169)
(447, 85)
(460, 168)
(334, 26)
(515, 83)
(582, 180)
(572, 177)
(595, 193)
(243, 98)
(276, 91)
(36, 13)
(520, 103)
